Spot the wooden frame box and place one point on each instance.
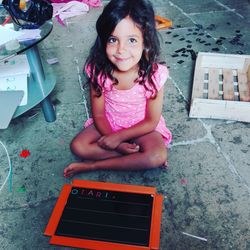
(105, 216)
(221, 87)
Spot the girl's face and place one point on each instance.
(125, 45)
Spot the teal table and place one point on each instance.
(41, 81)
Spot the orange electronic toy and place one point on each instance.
(162, 23)
(106, 216)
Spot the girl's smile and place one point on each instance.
(125, 45)
(119, 59)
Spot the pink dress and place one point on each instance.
(124, 108)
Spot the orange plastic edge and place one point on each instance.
(57, 211)
(91, 244)
(114, 187)
(156, 222)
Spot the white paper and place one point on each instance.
(52, 60)
(29, 34)
(15, 66)
(15, 82)
(7, 34)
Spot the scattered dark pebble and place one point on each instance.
(168, 42)
(200, 40)
(178, 26)
(163, 62)
(189, 46)
(175, 35)
(235, 40)
(180, 62)
(215, 49)
(188, 41)
(208, 36)
(228, 23)
(195, 33)
(219, 42)
(239, 52)
(199, 26)
(207, 44)
(175, 55)
(168, 32)
(237, 31)
(180, 50)
(184, 55)
(211, 27)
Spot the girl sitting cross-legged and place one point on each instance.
(127, 130)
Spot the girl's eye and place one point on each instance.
(112, 40)
(132, 40)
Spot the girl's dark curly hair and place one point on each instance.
(142, 13)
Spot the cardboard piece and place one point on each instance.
(14, 75)
(9, 100)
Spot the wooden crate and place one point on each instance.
(221, 87)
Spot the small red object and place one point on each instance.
(184, 182)
(25, 153)
(6, 20)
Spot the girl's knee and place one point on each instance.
(76, 147)
(157, 158)
(73, 146)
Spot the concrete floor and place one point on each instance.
(207, 186)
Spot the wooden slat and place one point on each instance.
(228, 85)
(246, 65)
(244, 86)
(248, 78)
(213, 84)
(198, 83)
(220, 109)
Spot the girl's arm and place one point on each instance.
(151, 120)
(103, 126)
(98, 113)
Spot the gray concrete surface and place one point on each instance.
(207, 185)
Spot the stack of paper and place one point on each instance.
(29, 34)
(7, 34)
(14, 75)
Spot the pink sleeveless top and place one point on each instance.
(124, 108)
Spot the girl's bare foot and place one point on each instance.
(128, 148)
(165, 165)
(76, 168)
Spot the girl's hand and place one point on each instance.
(109, 142)
(128, 148)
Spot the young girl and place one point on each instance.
(127, 131)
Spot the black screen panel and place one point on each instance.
(111, 216)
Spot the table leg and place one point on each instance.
(37, 73)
